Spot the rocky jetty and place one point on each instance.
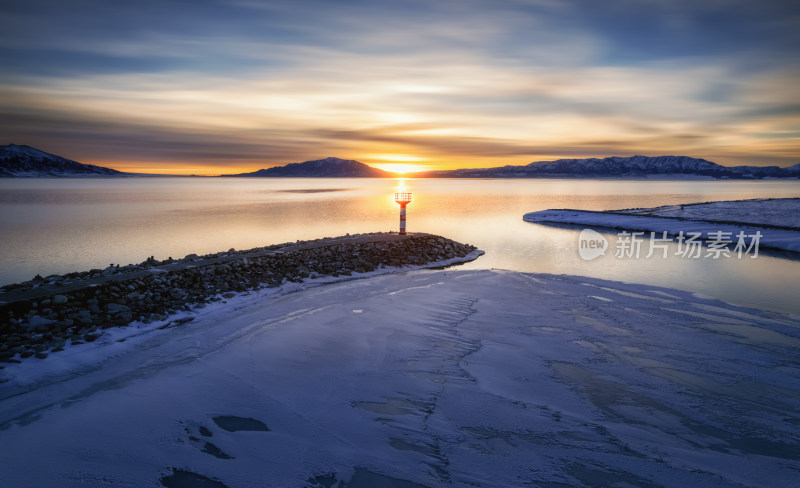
(41, 316)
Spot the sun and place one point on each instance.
(398, 163)
(400, 168)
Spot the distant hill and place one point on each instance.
(321, 168)
(25, 161)
(633, 166)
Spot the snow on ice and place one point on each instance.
(428, 378)
(783, 212)
(775, 221)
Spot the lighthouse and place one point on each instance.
(403, 199)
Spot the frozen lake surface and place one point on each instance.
(783, 212)
(457, 378)
(759, 224)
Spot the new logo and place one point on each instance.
(591, 244)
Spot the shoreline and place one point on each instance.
(42, 316)
(707, 219)
(53, 284)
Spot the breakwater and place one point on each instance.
(39, 317)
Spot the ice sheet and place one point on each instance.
(427, 378)
(787, 239)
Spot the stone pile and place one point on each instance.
(149, 292)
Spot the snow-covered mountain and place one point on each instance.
(321, 168)
(629, 165)
(25, 161)
(622, 166)
(768, 171)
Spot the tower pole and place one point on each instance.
(402, 219)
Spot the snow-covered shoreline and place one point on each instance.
(41, 316)
(432, 378)
(706, 219)
(777, 212)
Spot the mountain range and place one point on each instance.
(25, 161)
(615, 166)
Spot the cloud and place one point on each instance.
(224, 84)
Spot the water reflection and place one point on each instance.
(58, 226)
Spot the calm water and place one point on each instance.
(56, 226)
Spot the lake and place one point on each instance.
(55, 226)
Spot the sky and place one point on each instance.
(217, 87)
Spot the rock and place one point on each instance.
(59, 300)
(84, 317)
(115, 308)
